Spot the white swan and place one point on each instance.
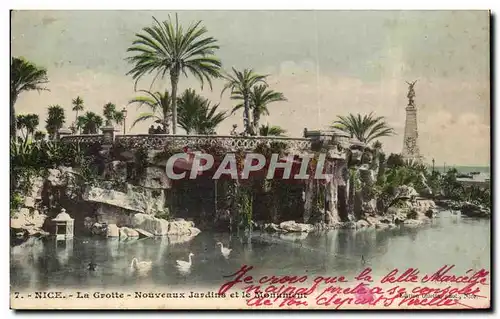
(185, 266)
(140, 267)
(225, 251)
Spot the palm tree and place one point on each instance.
(55, 120)
(77, 106)
(377, 145)
(160, 105)
(261, 97)
(167, 47)
(415, 165)
(39, 135)
(90, 123)
(119, 117)
(196, 115)
(28, 122)
(266, 130)
(109, 112)
(24, 76)
(395, 160)
(366, 128)
(241, 84)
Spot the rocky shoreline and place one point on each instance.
(466, 208)
(421, 214)
(143, 226)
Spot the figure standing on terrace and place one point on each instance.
(151, 129)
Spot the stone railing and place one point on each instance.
(331, 139)
(84, 138)
(232, 143)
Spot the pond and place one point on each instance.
(449, 239)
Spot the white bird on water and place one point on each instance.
(141, 267)
(224, 250)
(185, 266)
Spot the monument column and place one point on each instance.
(410, 142)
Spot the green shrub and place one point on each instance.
(16, 202)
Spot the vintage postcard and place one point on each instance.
(324, 160)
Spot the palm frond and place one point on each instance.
(365, 128)
(90, 123)
(26, 76)
(237, 107)
(144, 117)
(196, 115)
(261, 97)
(267, 130)
(165, 46)
(159, 103)
(77, 104)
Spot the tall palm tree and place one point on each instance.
(241, 84)
(365, 128)
(266, 130)
(160, 105)
(77, 107)
(55, 120)
(24, 76)
(261, 97)
(28, 122)
(196, 115)
(90, 123)
(167, 47)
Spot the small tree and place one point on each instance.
(55, 120)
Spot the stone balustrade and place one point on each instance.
(229, 142)
(159, 141)
(84, 138)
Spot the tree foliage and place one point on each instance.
(160, 105)
(25, 76)
(90, 123)
(166, 47)
(27, 123)
(260, 98)
(365, 128)
(197, 115)
(241, 84)
(271, 130)
(55, 120)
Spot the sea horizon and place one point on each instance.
(463, 168)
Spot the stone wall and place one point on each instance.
(138, 200)
(107, 214)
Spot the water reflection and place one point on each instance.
(43, 264)
(64, 250)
